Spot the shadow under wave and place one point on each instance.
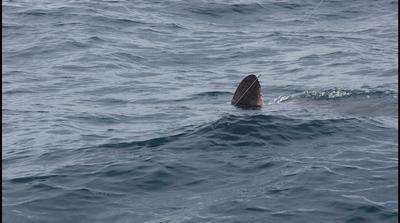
(233, 131)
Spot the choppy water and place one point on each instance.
(118, 111)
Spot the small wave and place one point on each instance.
(288, 5)
(96, 39)
(335, 94)
(18, 91)
(212, 94)
(100, 119)
(28, 179)
(237, 131)
(217, 10)
(111, 101)
(35, 12)
(220, 9)
(127, 57)
(115, 21)
(204, 96)
(361, 209)
(15, 26)
(172, 25)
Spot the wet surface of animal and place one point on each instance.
(248, 93)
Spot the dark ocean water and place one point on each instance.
(119, 111)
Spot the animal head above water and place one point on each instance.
(248, 93)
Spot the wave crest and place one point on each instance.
(334, 94)
(258, 130)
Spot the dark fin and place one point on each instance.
(248, 93)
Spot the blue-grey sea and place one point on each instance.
(119, 111)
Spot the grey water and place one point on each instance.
(119, 111)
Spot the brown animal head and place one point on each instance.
(248, 93)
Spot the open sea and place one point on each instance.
(119, 111)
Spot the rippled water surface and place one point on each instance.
(119, 111)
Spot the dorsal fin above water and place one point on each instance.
(248, 93)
